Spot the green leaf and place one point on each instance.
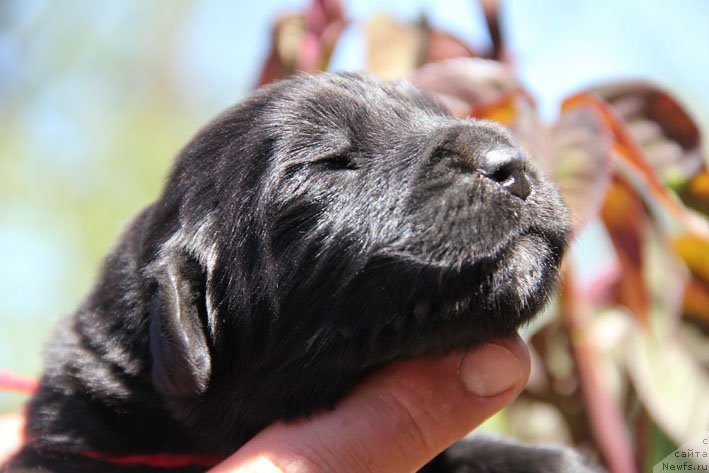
(671, 384)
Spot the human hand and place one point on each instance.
(11, 427)
(395, 421)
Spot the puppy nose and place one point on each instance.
(506, 166)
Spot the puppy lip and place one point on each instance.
(466, 259)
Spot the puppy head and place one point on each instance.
(336, 221)
(377, 209)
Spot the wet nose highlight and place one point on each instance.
(506, 166)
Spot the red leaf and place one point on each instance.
(286, 34)
(696, 300)
(393, 49)
(439, 45)
(695, 192)
(623, 215)
(694, 251)
(491, 10)
(604, 414)
(668, 136)
(324, 23)
(304, 42)
(631, 161)
(581, 160)
(470, 86)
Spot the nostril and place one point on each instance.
(506, 166)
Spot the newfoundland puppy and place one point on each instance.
(322, 228)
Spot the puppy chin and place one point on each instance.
(525, 277)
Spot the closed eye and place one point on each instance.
(338, 162)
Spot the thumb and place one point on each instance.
(397, 419)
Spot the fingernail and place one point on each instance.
(490, 371)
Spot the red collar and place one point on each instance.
(13, 382)
(157, 460)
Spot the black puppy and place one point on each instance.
(324, 227)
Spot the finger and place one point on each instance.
(11, 435)
(397, 419)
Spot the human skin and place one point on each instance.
(395, 421)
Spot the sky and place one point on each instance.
(559, 46)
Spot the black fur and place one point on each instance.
(324, 227)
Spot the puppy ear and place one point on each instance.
(178, 317)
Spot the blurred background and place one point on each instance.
(96, 98)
